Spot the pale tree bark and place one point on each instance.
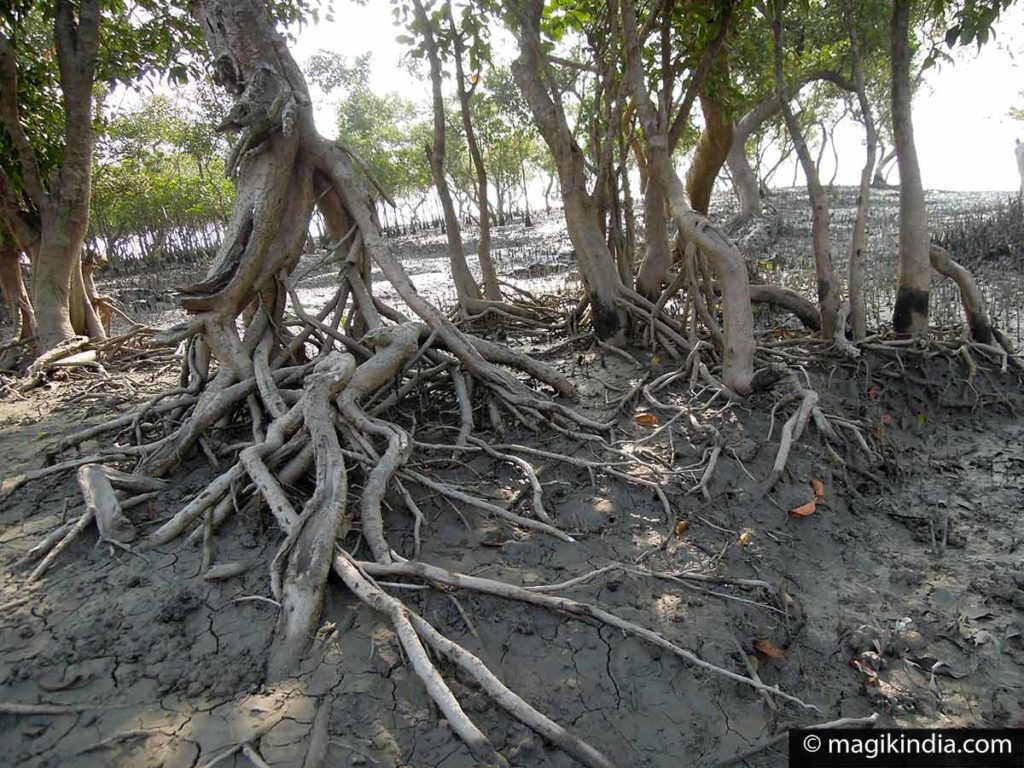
(492, 290)
(978, 322)
(738, 331)
(654, 270)
(466, 288)
(855, 287)
(828, 292)
(62, 201)
(711, 152)
(910, 313)
(582, 216)
(744, 179)
(15, 295)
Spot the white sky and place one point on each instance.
(965, 139)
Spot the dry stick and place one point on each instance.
(843, 722)
(74, 533)
(531, 476)
(752, 671)
(791, 432)
(438, 690)
(45, 545)
(495, 510)
(578, 609)
(13, 708)
(11, 484)
(465, 407)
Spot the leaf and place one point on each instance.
(682, 527)
(746, 536)
(865, 668)
(646, 420)
(769, 649)
(804, 509)
(819, 488)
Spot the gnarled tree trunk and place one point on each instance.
(61, 201)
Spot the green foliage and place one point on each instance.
(385, 131)
(970, 21)
(160, 167)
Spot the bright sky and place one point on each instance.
(965, 139)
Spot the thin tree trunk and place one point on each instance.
(15, 294)
(910, 313)
(738, 331)
(744, 180)
(492, 290)
(465, 286)
(855, 287)
(712, 149)
(828, 292)
(581, 215)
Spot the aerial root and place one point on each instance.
(436, 575)
(102, 505)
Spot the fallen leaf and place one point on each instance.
(646, 420)
(862, 666)
(746, 536)
(682, 527)
(769, 649)
(804, 509)
(819, 488)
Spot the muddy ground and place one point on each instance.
(911, 565)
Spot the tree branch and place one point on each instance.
(707, 58)
(31, 180)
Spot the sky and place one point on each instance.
(965, 138)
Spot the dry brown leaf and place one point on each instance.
(819, 488)
(804, 509)
(769, 649)
(746, 536)
(646, 420)
(682, 527)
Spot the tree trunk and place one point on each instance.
(712, 149)
(581, 215)
(855, 287)
(910, 313)
(744, 180)
(465, 286)
(657, 254)
(738, 332)
(828, 292)
(63, 206)
(492, 290)
(15, 295)
(977, 319)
